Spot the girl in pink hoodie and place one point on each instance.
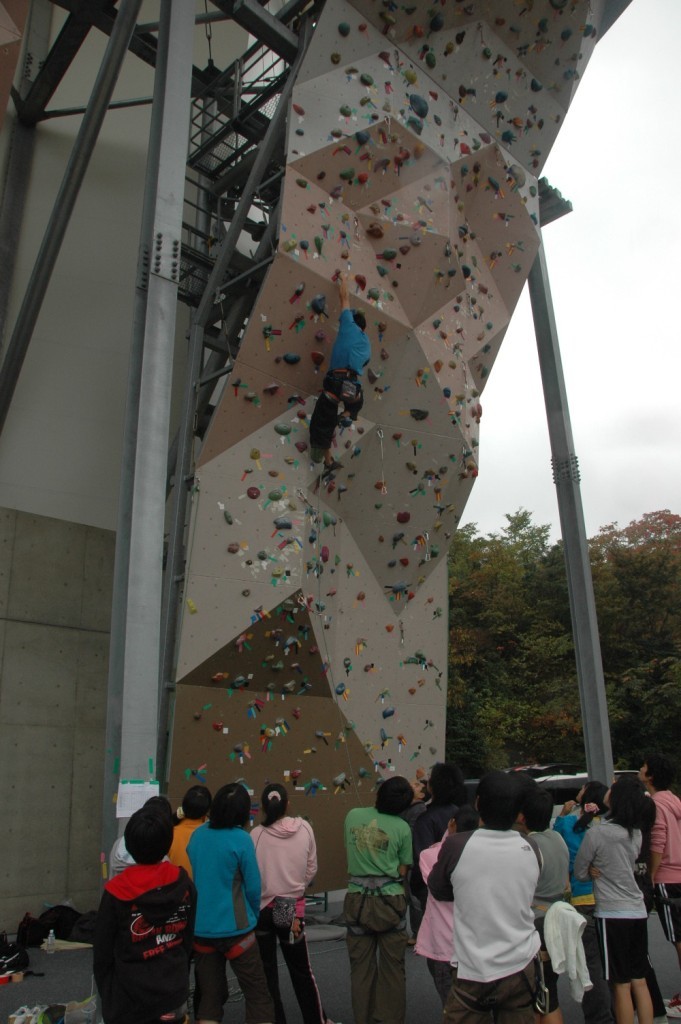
(435, 940)
(286, 852)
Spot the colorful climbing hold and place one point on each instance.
(419, 105)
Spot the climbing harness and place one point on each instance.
(372, 888)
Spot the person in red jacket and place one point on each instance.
(144, 931)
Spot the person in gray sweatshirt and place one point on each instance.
(608, 855)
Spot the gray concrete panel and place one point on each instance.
(97, 579)
(52, 701)
(39, 676)
(8, 518)
(36, 820)
(83, 871)
(37, 595)
(90, 696)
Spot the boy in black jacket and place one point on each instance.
(144, 930)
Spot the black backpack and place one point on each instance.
(13, 957)
(32, 931)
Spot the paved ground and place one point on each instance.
(68, 975)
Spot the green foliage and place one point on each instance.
(513, 694)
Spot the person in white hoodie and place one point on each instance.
(286, 852)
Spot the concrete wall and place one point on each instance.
(55, 606)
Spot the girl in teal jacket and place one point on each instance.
(227, 881)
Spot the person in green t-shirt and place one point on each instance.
(379, 851)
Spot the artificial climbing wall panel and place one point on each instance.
(313, 645)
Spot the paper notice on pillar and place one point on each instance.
(132, 795)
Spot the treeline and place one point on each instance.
(513, 695)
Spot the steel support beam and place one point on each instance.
(566, 476)
(143, 43)
(20, 155)
(175, 561)
(266, 27)
(133, 698)
(182, 468)
(265, 153)
(66, 197)
(70, 39)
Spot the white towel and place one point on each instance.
(563, 927)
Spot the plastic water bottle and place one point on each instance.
(51, 943)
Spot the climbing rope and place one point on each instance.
(384, 486)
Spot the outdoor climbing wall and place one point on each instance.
(314, 637)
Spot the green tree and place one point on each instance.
(510, 650)
(513, 695)
(637, 583)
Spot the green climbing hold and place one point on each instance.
(344, 29)
(366, 79)
(348, 174)
(430, 59)
(283, 428)
(345, 110)
(419, 105)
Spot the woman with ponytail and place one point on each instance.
(286, 852)
(573, 823)
(608, 855)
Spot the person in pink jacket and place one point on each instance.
(286, 852)
(664, 864)
(435, 939)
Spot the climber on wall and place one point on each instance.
(350, 354)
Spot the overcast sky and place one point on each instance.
(615, 271)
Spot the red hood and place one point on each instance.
(140, 878)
